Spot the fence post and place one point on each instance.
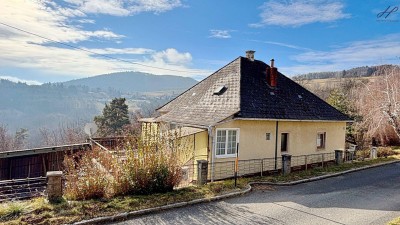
(338, 157)
(54, 185)
(323, 159)
(373, 153)
(286, 163)
(202, 172)
(262, 166)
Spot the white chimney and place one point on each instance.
(250, 55)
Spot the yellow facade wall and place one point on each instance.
(150, 131)
(201, 146)
(302, 137)
(194, 147)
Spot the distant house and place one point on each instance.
(249, 104)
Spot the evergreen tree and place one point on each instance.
(114, 118)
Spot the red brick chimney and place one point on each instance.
(272, 75)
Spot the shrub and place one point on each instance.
(86, 176)
(150, 167)
(385, 152)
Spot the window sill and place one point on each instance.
(225, 156)
(321, 149)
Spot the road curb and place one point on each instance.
(127, 215)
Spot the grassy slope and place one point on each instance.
(39, 211)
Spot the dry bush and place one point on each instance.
(86, 177)
(150, 167)
(385, 152)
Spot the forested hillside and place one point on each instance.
(364, 71)
(135, 82)
(49, 107)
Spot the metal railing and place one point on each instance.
(254, 167)
(22, 188)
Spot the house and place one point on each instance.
(249, 105)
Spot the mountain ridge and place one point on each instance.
(134, 82)
(362, 71)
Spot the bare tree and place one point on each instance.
(379, 104)
(10, 142)
(71, 133)
(6, 140)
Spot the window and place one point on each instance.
(226, 142)
(268, 136)
(321, 139)
(220, 90)
(284, 142)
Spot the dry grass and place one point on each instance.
(322, 171)
(39, 211)
(335, 82)
(395, 221)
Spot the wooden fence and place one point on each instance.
(36, 162)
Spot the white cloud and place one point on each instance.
(124, 7)
(46, 20)
(121, 51)
(220, 34)
(282, 45)
(16, 80)
(384, 50)
(87, 21)
(172, 56)
(297, 13)
(21, 50)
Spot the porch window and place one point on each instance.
(226, 142)
(321, 139)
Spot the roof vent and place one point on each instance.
(220, 90)
(250, 55)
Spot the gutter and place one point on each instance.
(293, 120)
(276, 145)
(211, 151)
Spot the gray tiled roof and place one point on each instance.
(248, 95)
(199, 105)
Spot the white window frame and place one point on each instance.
(226, 142)
(324, 140)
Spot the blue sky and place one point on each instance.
(192, 38)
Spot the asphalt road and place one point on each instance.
(367, 197)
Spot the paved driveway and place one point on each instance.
(367, 197)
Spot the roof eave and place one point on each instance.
(292, 120)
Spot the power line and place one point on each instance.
(95, 53)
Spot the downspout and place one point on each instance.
(211, 151)
(276, 145)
